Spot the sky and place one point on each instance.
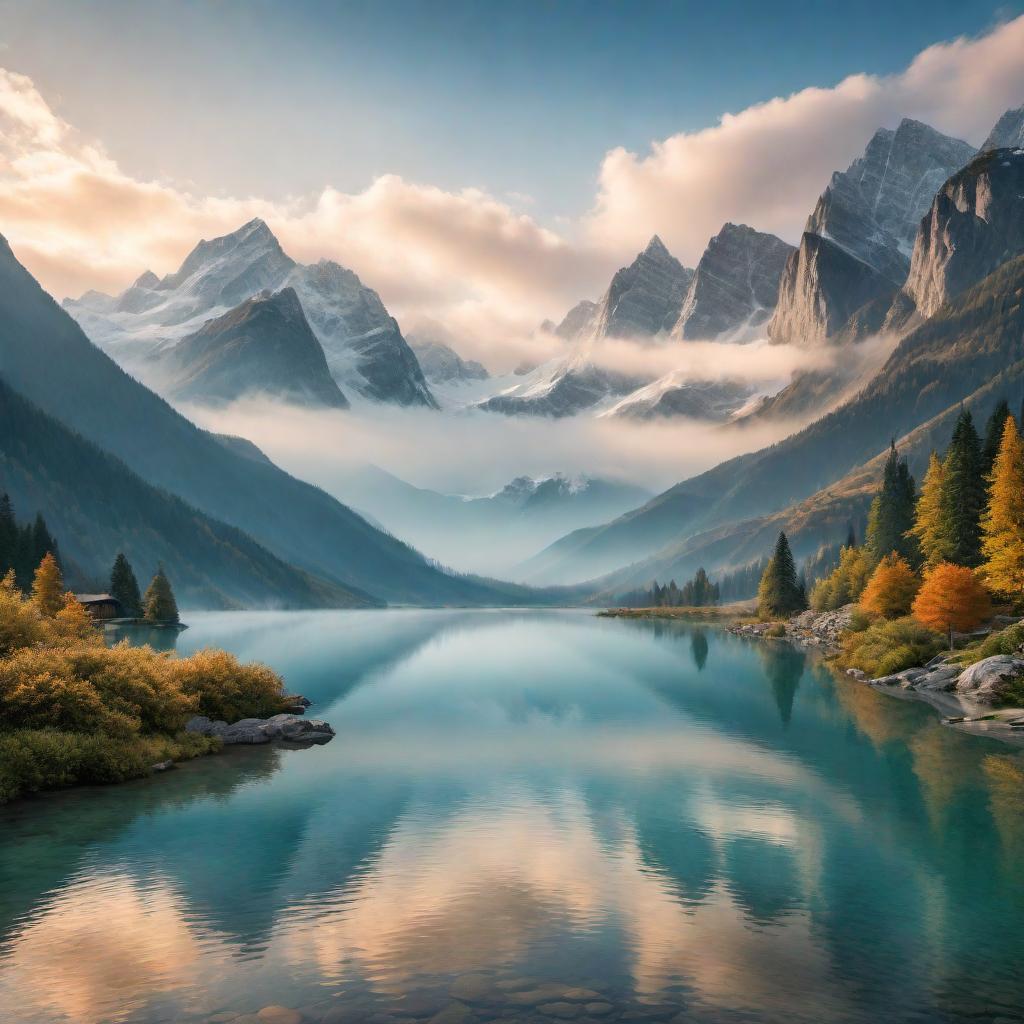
(482, 165)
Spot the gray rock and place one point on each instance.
(578, 322)
(988, 680)
(735, 285)
(291, 728)
(441, 364)
(975, 224)
(857, 673)
(1008, 131)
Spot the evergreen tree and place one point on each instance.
(8, 535)
(48, 586)
(928, 515)
(159, 604)
(124, 587)
(892, 513)
(779, 593)
(42, 541)
(1003, 521)
(851, 536)
(993, 436)
(963, 495)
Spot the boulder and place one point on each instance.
(987, 681)
(290, 728)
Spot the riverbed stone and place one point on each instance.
(987, 681)
(562, 1010)
(454, 1013)
(472, 988)
(279, 1015)
(290, 728)
(598, 1009)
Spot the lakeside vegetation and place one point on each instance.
(74, 710)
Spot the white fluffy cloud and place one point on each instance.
(766, 165)
(468, 260)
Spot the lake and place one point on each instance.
(532, 816)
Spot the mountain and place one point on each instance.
(735, 285)
(441, 364)
(975, 223)
(562, 389)
(1008, 131)
(489, 534)
(578, 322)
(362, 342)
(47, 358)
(644, 298)
(96, 506)
(857, 242)
(678, 395)
(264, 345)
(966, 343)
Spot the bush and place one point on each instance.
(222, 688)
(1006, 641)
(776, 629)
(889, 646)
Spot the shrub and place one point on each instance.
(222, 688)
(1006, 641)
(889, 646)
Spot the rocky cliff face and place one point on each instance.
(1008, 132)
(644, 298)
(441, 364)
(363, 344)
(263, 345)
(735, 285)
(976, 223)
(579, 321)
(857, 242)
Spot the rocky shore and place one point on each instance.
(290, 728)
(970, 699)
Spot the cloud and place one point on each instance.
(766, 165)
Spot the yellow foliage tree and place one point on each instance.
(1002, 524)
(892, 588)
(48, 586)
(844, 584)
(951, 598)
(927, 526)
(73, 622)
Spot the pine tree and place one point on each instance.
(928, 516)
(993, 436)
(8, 535)
(48, 586)
(42, 541)
(159, 604)
(1003, 521)
(892, 513)
(124, 587)
(779, 593)
(851, 536)
(963, 495)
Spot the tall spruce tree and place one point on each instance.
(892, 513)
(963, 495)
(8, 535)
(159, 605)
(993, 436)
(780, 593)
(851, 536)
(125, 587)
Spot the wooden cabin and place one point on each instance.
(101, 606)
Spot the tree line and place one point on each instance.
(29, 557)
(698, 592)
(940, 554)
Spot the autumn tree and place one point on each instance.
(891, 590)
(48, 586)
(124, 587)
(844, 584)
(892, 513)
(159, 604)
(927, 526)
(951, 598)
(963, 495)
(1002, 524)
(779, 593)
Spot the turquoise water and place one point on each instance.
(533, 817)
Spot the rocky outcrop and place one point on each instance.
(1007, 133)
(988, 681)
(711, 400)
(975, 224)
(813, 629)
(290, 728)
(857, 242)
(568, 389)
(264, 345)
(735, 285)
(441, 364)
(578, 322)
(644, 298)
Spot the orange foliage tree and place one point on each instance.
(951, 598)
(891, 589)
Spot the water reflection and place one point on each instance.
(525, 811)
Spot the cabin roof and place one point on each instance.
(95, 598)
